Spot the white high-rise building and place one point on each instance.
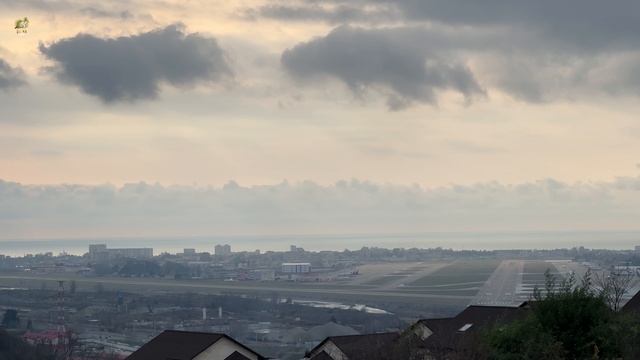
(223, 249)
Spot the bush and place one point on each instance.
(567, 321)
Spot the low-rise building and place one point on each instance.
(355, 347)
(187, 345)
(296, 268)
(633, 305)
(222, 250)
(100, 252)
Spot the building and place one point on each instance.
(97, 248)
(296, 268)
(100, 252)
(356, 347)
(223, 250)
(294, 248)
(132, 253)
(262, 275)
(52, 338)
(186, 345)
(633, 305)
(189, 252)
(428, 339)
(455, 336)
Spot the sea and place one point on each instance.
(617, 240)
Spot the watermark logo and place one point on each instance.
(22, 25)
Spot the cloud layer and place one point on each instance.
(344, 207)
(133, 68)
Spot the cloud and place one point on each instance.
(44, 5)
(134, 67)
(394, 60)
(333, 14)
(573, 24)
(96, 12)
(533, 51)
(306, 207)
(10, 77)
(576, 24)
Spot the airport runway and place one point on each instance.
(502, 287)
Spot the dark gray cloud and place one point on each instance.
(134, 67)
(579, 24)
(395, 61)
(574, 24)
(534, 51)
(10, 77)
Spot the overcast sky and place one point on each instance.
(426, 101)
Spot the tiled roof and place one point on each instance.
(452, 333)
(322, 356)
(363, 347)
(175, 345)
(179, 345)
(236, 356)
(633, 304)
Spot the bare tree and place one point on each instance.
(614, 286)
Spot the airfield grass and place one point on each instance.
(459, 274)
(177, 286)
(384, 280)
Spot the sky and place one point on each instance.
(318, 116)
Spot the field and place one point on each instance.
(459, 274)
(357, 294)
(459, 278)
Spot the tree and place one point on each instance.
(14, 348)
(614, 286)
(10, 319)
(524, 340)
(568, 320)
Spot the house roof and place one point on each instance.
(633, 304)
(365, 347)
(179, 345)
(481, 316)
(322, 356)
(449, 332)
(320, 332)
(236, 356)
(477, 316)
